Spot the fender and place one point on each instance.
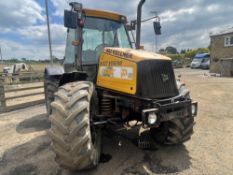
(58, 74)
(54, 70)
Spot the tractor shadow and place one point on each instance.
(164, 160)
(34, 124)
(36, 157)
(126, 158)
(32, 158)
(158, 160)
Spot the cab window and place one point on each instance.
(99, 33)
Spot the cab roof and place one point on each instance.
(105, 14)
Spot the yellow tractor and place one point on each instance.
(105, 82)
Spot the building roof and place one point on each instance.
(222, 32)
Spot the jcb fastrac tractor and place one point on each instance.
(105, 82)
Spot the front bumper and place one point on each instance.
(162, 111)
(195, 66)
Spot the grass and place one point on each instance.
(36, 67)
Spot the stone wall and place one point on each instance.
(218, 51)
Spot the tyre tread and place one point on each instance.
(71, 104)
(178, 130)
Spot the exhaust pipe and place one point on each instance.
(139, 18)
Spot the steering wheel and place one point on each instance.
(100, 48)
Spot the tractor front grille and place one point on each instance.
(156, 79)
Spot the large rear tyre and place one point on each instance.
(75, 143)
(50, 88)
(176, 131)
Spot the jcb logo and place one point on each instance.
(165, 77)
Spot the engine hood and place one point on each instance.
(134, 55)
(136, 72)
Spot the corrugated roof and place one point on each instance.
(222, 32)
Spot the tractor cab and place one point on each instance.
(86, 39)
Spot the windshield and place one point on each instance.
(97, 34)
(100, 33)
(198, 60)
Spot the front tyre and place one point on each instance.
(75, 143)
(175, 131)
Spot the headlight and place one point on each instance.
(152, 118)
(194, 109)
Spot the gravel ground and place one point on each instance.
(24, 145)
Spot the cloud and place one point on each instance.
(12, 49)
(213, 8)
(14, 14)
(60, 5)
(127, 8)
(23, 31)
(38, 34)
(170, 16)
(185, 23)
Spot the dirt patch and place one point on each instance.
(22, 169)
(26, 150)
(25, 158)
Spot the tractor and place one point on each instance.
(105, 82)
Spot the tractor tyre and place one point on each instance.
(50, 87)
(76, 143)
(175, 131)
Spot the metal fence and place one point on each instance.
(16, 87)
(26, 77)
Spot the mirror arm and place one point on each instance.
(148, 19)
(145, 20)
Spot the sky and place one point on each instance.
(185, 23)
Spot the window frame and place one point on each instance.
(228, 38)
(70, 49)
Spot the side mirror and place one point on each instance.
(70, 19)
(157, 28)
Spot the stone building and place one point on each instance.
(221, 47)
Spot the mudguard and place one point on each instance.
(58, 74)
(54, 70)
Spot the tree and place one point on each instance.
(183, 51)
(23, 59)
(171, 50)
(14, 60)
(191, 53)
(161, 50)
